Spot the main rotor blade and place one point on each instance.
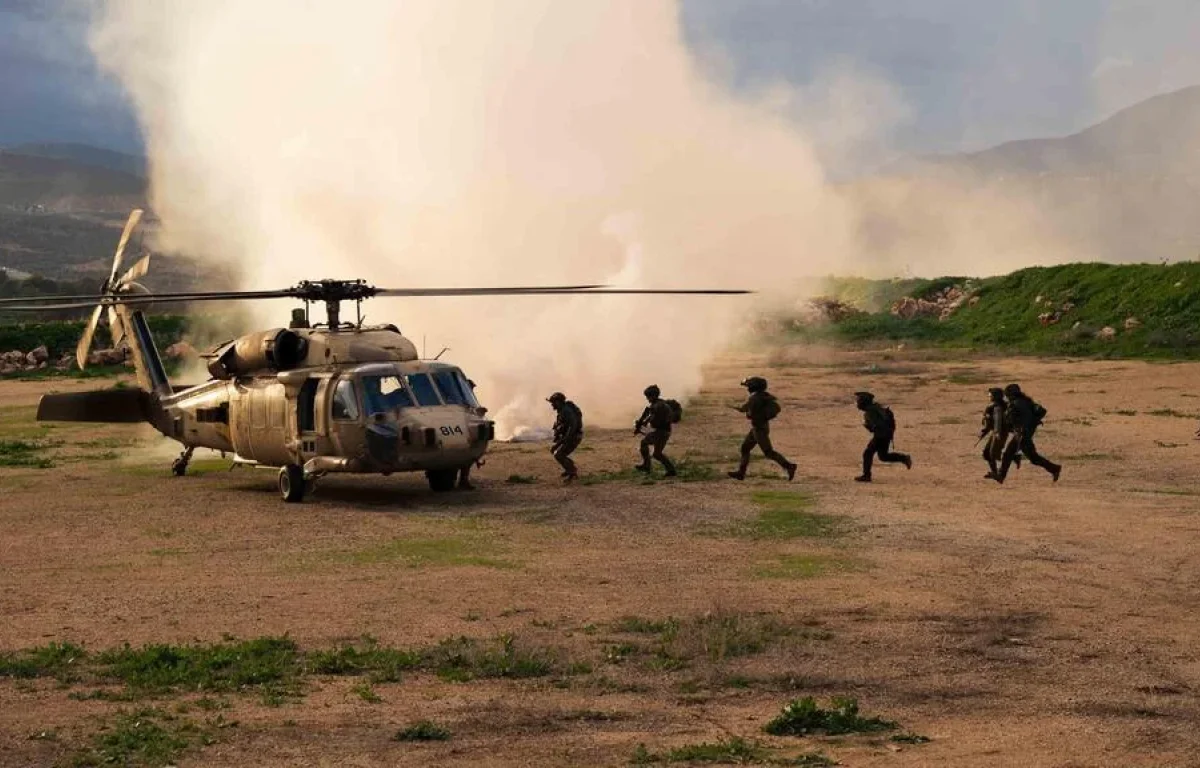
(85, 341)
(130, 224)
(147, 298)
(89, 297)
(513, 291)
(531, 290)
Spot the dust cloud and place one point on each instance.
(461, 143)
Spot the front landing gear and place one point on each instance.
(180, 465)
(292, 484)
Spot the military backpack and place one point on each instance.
(676, 411)
(771, 409)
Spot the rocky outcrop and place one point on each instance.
(941, 305)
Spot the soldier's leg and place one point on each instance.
(644, 450)
(763, 436)
(992, 451)
(1010, 451)
(1036, 459)
(868, 457)
(887, 455)
(562, 454)
(747, 446)
(659, 444)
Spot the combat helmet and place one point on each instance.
(755, 384)
(652, 391)
(996, 393)
(865, 397)
(1013, 390)
(558, 398)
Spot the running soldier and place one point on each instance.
(996, 429)
(760, 407)
(879, 421)
(1024, 417)
(659, 415)
(568, 434)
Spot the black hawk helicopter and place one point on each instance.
(308, 399)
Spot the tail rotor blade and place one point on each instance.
(115, 327)
(85, 341)
(134, 217)
(136, 272)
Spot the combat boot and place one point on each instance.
(908, 462)
(642, 467)
(863, 479)
(1056, 472)
(791, 471)
(737, 475)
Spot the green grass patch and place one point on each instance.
(806, 566)
(24, 453)
(673, 644)
(733, 750)
(1094, 456)
(803, 717)
(61, 661)
(419, 553)
(149, 737)
(270, 663)
(463, 659)
(787, 515)
(521, 480)
(366, 692)
(688, 471)
(381, 664)
(423, 730)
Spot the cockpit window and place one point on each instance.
(468, 388)
(422, 389)
(345, 403)
(450, 387)
(385, 393)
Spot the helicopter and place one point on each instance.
(308, 399)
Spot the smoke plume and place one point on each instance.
(433, 143)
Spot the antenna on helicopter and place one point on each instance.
(439, 354)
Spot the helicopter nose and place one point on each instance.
(383, 442)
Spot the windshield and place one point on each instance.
(422, 389)
(454, 390)
(384, 393)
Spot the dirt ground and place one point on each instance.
(1030, 624)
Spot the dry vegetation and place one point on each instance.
(200, 621)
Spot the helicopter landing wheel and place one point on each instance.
(442, 480)
(292, 484)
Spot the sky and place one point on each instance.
(949, 75)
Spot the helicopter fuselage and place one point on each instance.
(392, 413)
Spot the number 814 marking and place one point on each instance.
(447, 431)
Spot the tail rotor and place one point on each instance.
(113, 287)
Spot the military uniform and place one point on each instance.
(568, 434)
(1024, 419)
(996, 429)
(658, 416)
(883, 431)
(760, 407)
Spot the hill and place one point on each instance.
(1110, 310)
(33, 183)
(85, 154)
(1124, 190)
